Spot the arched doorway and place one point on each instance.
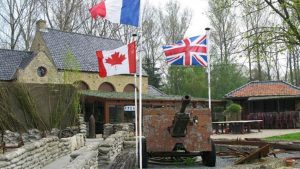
(106, 87)
(81, 85)
(129, 88)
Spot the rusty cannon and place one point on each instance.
(169, 133)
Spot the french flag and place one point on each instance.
(118, 11)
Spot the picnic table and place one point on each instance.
(236, 127)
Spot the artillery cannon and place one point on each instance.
(181, 119)
(169, 133)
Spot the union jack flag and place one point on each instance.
(187, 52)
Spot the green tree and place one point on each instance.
(225, 78)
(174, 22)
(189, 81)
(289, 12)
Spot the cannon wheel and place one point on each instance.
(209, 157)
(144, 154)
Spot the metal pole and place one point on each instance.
(208, 67)
(135, 111)
(140, 108)
(140, 84)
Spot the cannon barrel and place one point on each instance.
(181, 119)
(185, 101)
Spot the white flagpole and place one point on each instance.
(140, 108)
(135, 110)
(140, 86)
(208, 67)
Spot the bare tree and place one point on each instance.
(152, 58)
(224, 30)
(12, 14)
(28, 22)
(290, 13)
(63, 14)
(174, 22)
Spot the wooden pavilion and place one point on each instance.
(277, 103)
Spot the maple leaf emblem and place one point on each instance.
(115, 59)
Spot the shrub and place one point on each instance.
(233, 108)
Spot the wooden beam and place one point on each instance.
(257, 154)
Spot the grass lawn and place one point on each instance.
(286, 137)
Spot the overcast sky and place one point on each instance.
(199, 21)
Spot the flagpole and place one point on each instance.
(140, 86)
(208, 67)
(135, 110)
(140, 109)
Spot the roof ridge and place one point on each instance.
(296, 87)
(81, 34)
(279, 81)
(271, 82)
(226, 95)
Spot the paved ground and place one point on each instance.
(65, 160)
(255, 134)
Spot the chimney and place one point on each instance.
(40, 25)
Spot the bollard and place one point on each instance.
(92, 127)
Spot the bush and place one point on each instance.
(233, 108)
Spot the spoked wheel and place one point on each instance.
(209, 157)
(144, 154)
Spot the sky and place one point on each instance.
(199, 20)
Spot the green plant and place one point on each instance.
(65, 106)
(233, 111)
(189, 161)
(8, 119)
(233, 108)
(28, 106)
(67, 103)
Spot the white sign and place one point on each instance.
(129, 108)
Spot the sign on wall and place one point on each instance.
(129, 108)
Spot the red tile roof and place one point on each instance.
(265, 88)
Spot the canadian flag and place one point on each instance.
(118, 61)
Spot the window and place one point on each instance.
(129, 88)
(41, 71)
(129, 117)
(129, 114)
(116, 114)
(106, 87)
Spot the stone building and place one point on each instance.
(63, 58)
(58, 57)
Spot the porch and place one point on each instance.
(277, 112)
(276, 120)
